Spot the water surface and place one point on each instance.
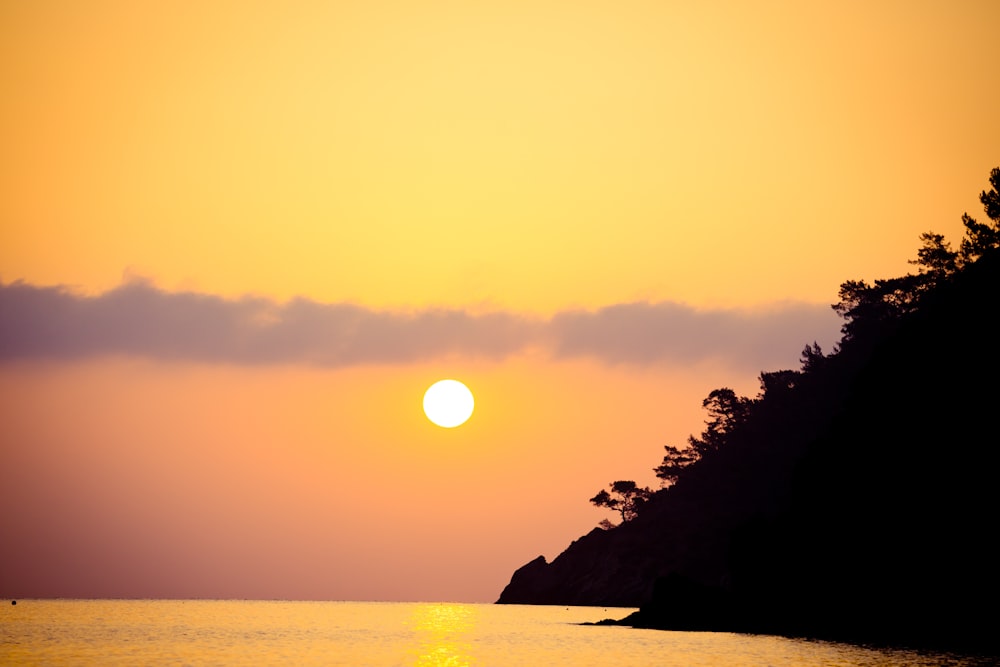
(210, 632)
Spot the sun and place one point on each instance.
(448, 403)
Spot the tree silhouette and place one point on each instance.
(936, 256)
(727, 411)
(626, 498)
(674, 461)
(868, 307)
(981, 238)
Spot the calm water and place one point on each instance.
(206, 632)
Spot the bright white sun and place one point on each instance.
(448, 403)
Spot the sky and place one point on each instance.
(238, 241)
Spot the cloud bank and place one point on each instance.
(138, 319)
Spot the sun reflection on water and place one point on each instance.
(441, 634)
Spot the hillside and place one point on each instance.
(852, 498)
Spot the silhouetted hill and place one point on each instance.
(852, 499)
(887, 528)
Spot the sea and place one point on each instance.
(377, 634)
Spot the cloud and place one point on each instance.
(645, 333)
(138, 319)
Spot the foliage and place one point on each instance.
(626, 498)
(868, 307)
(674, 463)
(727, 411)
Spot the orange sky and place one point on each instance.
(275, 224)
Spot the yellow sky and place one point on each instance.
(527, 155)
(721, 160)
